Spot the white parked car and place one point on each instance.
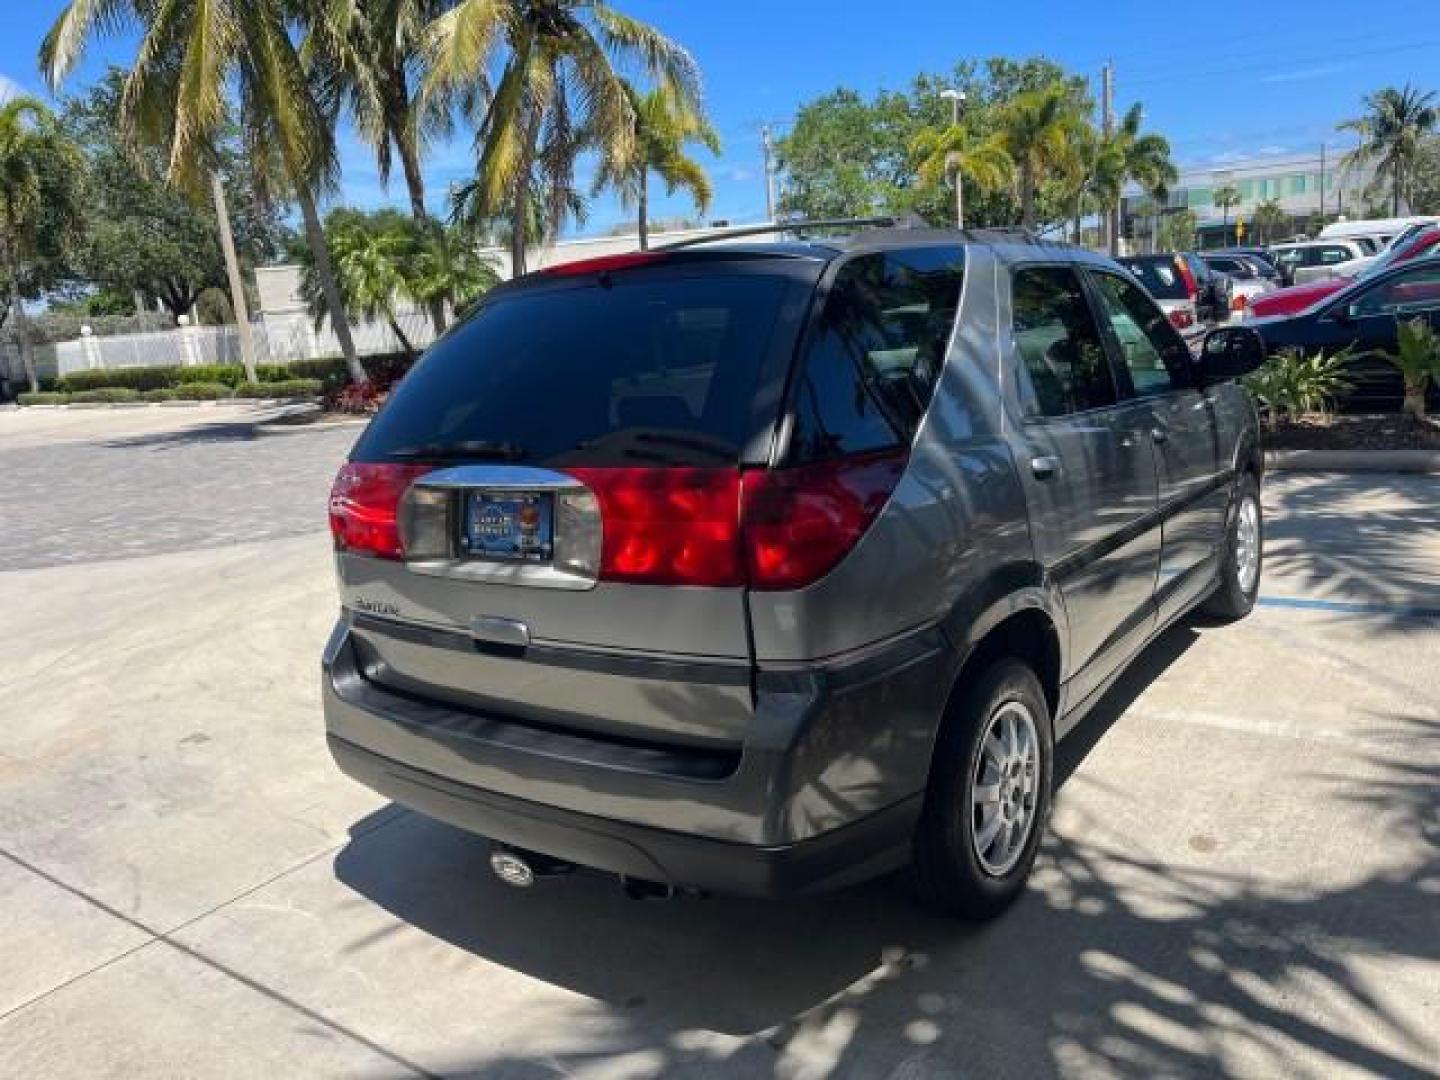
(1316, 260)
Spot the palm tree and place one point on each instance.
(27, 138)
(558, 93)
(952, 153)
(370, 267)
(1226, 197)
(1127, 154)
(1036, 129)
(1269, 220)
(191, 54)
(664, 123)
(1395, 124)
(365, 52)
(445, 270)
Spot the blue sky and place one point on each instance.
(1220, 83)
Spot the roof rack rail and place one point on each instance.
(798, 227)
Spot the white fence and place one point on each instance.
(279, 339)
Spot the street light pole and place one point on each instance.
(956, 99)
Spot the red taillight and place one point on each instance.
(1181, 319)
(1239, 302)
(771, 529)
(1187, 276)
(603, 263)
(668, 526)
(799, 523)
(364, 505)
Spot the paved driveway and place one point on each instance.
(1243, 874)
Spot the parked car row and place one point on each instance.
(1358, 314)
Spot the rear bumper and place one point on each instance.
(825, 789)
(863, 849)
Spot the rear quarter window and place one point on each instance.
(870, 370)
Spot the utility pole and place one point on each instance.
(1110, 215)
(767, 147)
(956, 97)
(237, 287)
(1322, 185)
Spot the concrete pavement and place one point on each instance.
(1242, 876)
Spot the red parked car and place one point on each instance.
(1300, 298)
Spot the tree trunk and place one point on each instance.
(399, 334)
(334, 305)
(1414, 406)
(1027, 197)
(414, 176)
(642, 203)
(517, 231)
(22, 323)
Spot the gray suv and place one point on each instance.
(766, 567)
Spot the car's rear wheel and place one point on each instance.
(1243, 556)
(989, 795)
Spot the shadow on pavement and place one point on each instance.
(1360, 538)
(1113, 962)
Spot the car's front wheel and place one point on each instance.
(989, 795)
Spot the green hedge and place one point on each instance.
(281, 388)
(331, 373)
(43, 397)
(106, 394)
(167, 393)
(202, 391)
(229, 374)
(132, 378)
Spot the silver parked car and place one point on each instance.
(767, 567)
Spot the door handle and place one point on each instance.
(1160, 435)
(1044, 467)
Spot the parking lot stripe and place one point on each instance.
(1350, 607)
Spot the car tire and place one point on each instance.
(976, 777)
(1243, 558)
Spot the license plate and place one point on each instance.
(510, 526)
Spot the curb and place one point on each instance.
(1392, 461)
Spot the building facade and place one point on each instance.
(1307, 188)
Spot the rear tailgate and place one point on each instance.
(585, 416)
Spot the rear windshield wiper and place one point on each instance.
(465, 449)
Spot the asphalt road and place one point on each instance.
(1241, 878)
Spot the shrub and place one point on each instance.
(229, 374)
(167, 393)
(43, 397)
(1418, 361)
(355, 398)
(105, 395)
(135, 378)
(202, 391)
(281, 388)
(1290, 383)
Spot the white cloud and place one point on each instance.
(741, 175)
(1307, 73)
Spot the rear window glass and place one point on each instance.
(645, 371)
(1161, 277)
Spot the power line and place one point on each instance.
(1296, 60)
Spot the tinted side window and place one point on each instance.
(1058, 344)
(1411, 292)
(869, 374)
(1154, 355)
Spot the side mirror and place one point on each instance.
(1230, 352)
